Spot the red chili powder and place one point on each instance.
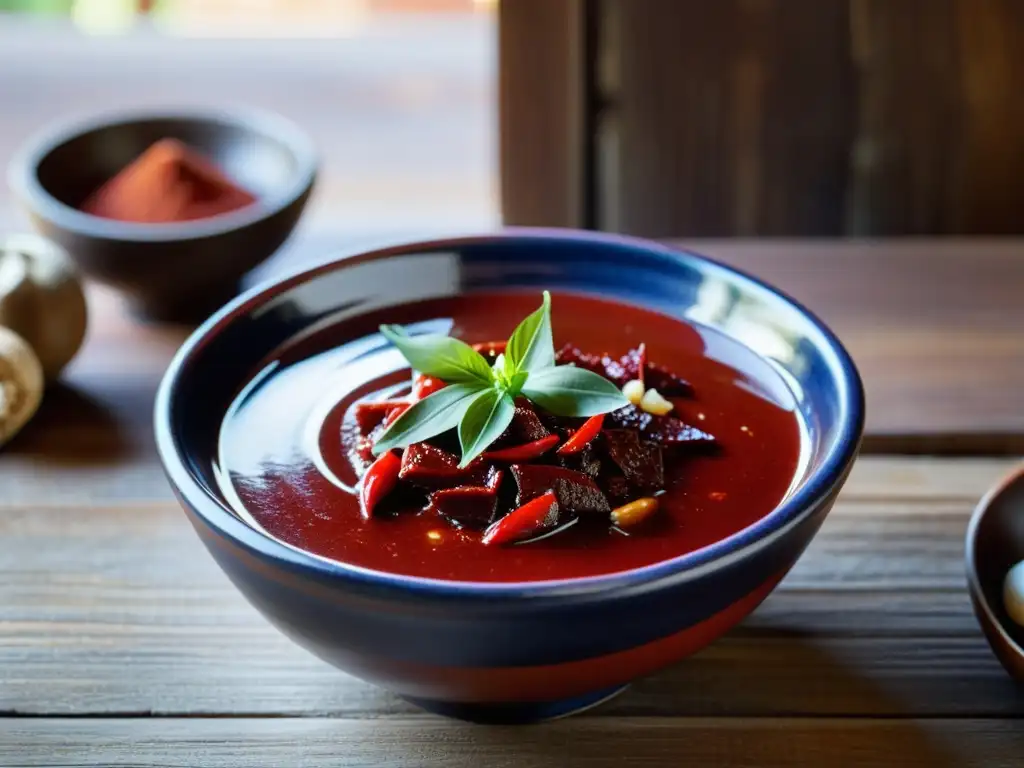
(167, 183)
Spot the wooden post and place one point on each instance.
(541, 114)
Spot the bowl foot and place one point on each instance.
(517, 713)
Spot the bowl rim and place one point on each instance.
(23, 177)
(789, 514)
(982, 607)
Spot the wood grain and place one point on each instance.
(728, 118)
(934, 326)
(873, 620)
(794, 118)
(540, 112)
(906, 163)
(938, 141)
(427, 742)
(990, 36)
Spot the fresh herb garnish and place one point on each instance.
(483, 422)
(569, 391)
(446, 358)
(480, 398)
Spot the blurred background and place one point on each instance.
(398, 95)
(691, 118)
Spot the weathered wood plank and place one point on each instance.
(947, 160)
(934, 328)
(873, 620)
(924, 477)
(905, 164)
(990, 37)
(247, 669)
(730, 118)
(424, 742)
(540, 110)
(827, 117)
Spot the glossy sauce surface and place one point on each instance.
(283, 447)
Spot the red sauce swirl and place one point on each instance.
(289, 470)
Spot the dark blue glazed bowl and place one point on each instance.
(527, 651)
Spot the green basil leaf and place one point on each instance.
(448, 359)
(430, 416)
(566, 390)
(501, 367)
(508, 368)
(515, 383)
(486, 418)
(531, 346)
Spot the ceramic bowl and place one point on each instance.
(526, 651)
(995, 543)
(177, 271)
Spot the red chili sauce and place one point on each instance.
(285, 443)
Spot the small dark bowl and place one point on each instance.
(179, 271)
(508, 651)
(995, 543)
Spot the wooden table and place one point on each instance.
(121, 643)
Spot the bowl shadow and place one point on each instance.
(730, 705)
(73, 428)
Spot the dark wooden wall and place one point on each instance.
(771, 117)
(541, 82)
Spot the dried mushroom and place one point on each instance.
(21, 383)
(41, 299)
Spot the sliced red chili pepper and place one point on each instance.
(521, 523)
(582, 436)
(641, 353)
(424, 386)
(370, 413)
(395, 412)
(384, 403)
(524, 452)
(380, 479)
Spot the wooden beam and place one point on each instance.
(540, 107)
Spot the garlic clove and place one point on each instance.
(653, 402)
(633, 391)
(1013, 593)
(41, 299)
(21, 383)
